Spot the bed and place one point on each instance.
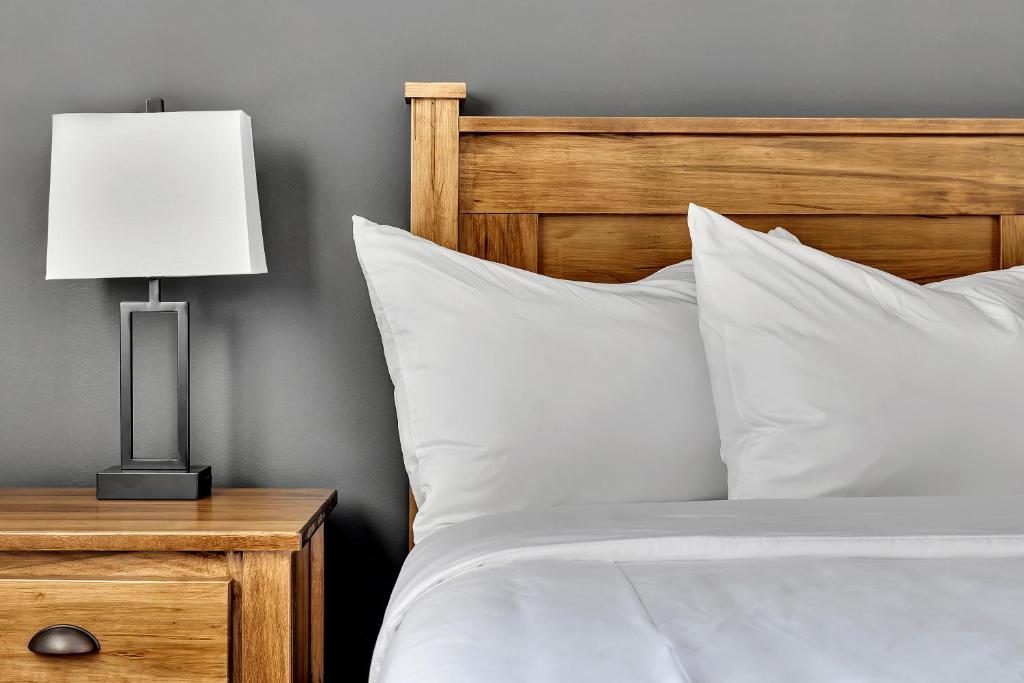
(899, 588)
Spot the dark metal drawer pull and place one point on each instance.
(64, 639)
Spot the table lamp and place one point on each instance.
(151, 195)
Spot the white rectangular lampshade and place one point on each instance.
(153, 195)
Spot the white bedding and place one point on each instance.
(855, 589)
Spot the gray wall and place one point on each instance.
(289, 383)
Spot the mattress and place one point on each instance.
(853, 589)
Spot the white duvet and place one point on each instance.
(854, 589)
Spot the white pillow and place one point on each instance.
(834, 379)
(517, 390)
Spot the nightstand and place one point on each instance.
(224, 588)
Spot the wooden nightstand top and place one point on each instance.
(229, 520)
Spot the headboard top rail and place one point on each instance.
(739, 125)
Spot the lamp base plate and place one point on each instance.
(115, 483)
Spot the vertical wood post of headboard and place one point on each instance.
(434, 208)
(1011, 241)
(434, 179)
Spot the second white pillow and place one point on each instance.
(833, 378)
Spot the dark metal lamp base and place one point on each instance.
(154, 478)
(115, 483)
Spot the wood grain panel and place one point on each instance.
(267, 615)
(231, 519)
(614, 248)
(741, 174)
(301, 615)
(174, 630)
(316, 616)
(610, 248)
(91, 565)
(236, 570)
(1011, 241)
(435, 170)
(504, 238)
(697, 125)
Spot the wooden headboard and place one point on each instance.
(604, 199)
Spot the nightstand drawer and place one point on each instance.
(148, 630)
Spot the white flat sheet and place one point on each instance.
(853, 589)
